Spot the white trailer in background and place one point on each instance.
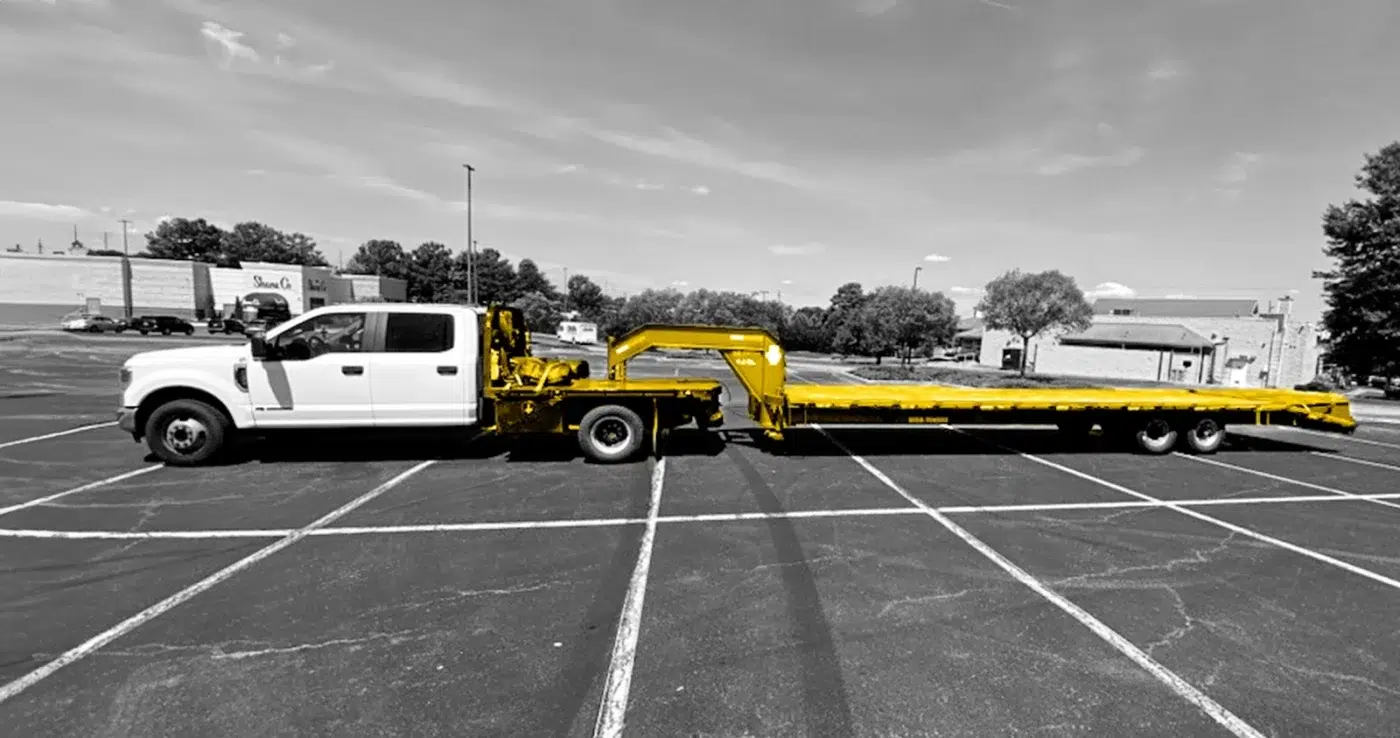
(577, 331)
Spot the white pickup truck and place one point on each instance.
(394, 365)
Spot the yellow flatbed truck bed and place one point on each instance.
(614, 415)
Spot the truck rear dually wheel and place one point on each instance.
(186, 432)
(611, 433)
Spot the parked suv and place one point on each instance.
(163, 324)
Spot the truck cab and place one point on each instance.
(342, 366)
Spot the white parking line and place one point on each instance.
(1339, 437)
(88, 647)
(1295, 548)
(612, 712)
(1287, 480)
(1180, 686)
(58, 434)
(370, 530)
(91, 485)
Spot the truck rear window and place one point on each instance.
(418, 333)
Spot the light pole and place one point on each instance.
(126, 272)
(916, 276)
(471, 244)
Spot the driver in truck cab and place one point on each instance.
(346, 331)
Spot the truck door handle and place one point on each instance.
(447, 370)
(353, 370)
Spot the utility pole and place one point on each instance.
(916, 276)
(471, 243)
(126, 271)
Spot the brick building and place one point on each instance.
(1213, 341)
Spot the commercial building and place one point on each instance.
(1233, 342)
(39, 289)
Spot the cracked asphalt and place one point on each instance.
(788, 594)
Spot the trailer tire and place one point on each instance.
(611, 433)
(1205, 437)
(186, 432)
(1156, 436)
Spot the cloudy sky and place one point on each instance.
(1163, 148)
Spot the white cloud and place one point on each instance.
(567, 169)
(680, 283)
(700, 190)
(1067, 163)
(1110, 289)
(646, 186)
(40, 211)
(806, 249)
(285, 41)
(1239, 167)
(937, 258)
(230, 42)
(1165, 70)
(966, 290)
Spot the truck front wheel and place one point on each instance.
(611, 433)
(186, 432)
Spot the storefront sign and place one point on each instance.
(281, 283)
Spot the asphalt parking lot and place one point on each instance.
(867, 582)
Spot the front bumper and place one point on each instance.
(126, 420)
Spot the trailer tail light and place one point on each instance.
(240, 377)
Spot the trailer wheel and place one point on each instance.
(1206, 436)
(611, 433)
(186, 432)
(1157, 436)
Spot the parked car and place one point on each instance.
(227, 325)
(163, 324)
(95, 324)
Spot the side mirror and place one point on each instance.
(257, 345)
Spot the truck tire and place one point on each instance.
(186, 432)
(1205, 437)
(1156, 436)
(611, 433)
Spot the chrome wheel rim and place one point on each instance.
(186, 436)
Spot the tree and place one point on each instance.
(586, 297)
(430, 274)
(380, 257)
(806, 331)
(496, 278)
(253, 241)
(1030, 304)
(1362, 290)
(843, 320)
(903, 319)
(542, 312)
(186, 240)
(647, 306)
(529, 278)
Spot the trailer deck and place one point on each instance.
(1155, 417)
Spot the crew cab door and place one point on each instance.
(423, 371)
(316, 373)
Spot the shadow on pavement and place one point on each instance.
(415, 445)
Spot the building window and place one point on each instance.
(1122, 311)
(418, 333)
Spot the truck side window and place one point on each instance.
(418, 333)
(324, 334)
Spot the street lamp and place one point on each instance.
(471, 244)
